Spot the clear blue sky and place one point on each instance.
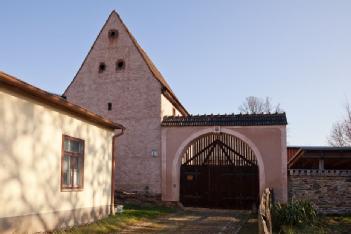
(212, 53)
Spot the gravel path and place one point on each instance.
(194, 221)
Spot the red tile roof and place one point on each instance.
(22, 88)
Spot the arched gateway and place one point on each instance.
(219, 170)
(223, 161)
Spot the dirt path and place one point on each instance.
(194, 221)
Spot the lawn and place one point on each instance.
(326, 224)
(132, 214)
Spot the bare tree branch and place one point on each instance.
(341, 131)
(255, 105)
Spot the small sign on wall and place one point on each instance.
(189, 177)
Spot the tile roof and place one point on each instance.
(323, 148)
(157, 74)
(301, 150)
(14, 84)
(226, 120)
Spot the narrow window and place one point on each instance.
(109, 106)
(113, 34)
(173, 111)
(102, 67)
(120, 65)
(72, 163)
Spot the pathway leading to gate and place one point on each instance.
(194, 221)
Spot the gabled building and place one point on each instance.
(221, 161)
(119, 81)
(56, 160)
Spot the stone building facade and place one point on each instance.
(321, 175)
(330, 190)
(118, 81)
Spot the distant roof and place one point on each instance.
(322, 148)
(226, 120)
(58, 102)
(296, 152)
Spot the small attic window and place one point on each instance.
(109, 106)
(120, 65)
(113, 34)
(173, 111)
(102, 67)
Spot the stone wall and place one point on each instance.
(329, 190)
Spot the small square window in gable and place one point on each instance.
(102, 67)
(120, 65)
(113, 34)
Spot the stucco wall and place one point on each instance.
(167, 108)
(136, 103)
(268, 143)
(30, 166)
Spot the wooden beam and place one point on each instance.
(198, 153)
(237, 153)
(209, 153)
(226, 154)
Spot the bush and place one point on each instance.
(293, 213)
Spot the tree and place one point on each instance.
(255, 105)
(341, 131)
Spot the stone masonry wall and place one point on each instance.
(330, 191)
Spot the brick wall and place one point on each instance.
(135, 96)
(329, 190)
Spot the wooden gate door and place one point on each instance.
(219, 175)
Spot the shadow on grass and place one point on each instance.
(332, 224)
(250, 226)
(132, 214)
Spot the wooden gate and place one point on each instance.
(219, 171)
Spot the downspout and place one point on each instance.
(114, 156)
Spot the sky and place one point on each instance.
(213, 54)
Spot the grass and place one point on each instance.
(132, 214)
(325, 225)
(250, 226)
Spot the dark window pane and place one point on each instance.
(66, 171)
(73, 146)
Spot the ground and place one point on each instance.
(159, 219)
(194, 221)
(325, 225)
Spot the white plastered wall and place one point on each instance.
(167, 107)
(30, 159)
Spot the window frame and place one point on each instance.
(65, 188)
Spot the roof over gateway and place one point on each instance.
(226, 120)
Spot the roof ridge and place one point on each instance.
(152, 67)
(91, 48)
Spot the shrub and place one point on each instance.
(293, 213)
